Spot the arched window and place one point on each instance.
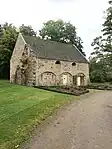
(73, 64)
(57, 62)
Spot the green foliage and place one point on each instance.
(107, 28)
(98, 46)
(97, 71)
(101, 69)
(100, 86)
(5, 55)
(1, 30)
(23, 108)
(101, 57)
(8, 36)
(61, 32)
(71, 90)
(27, 30)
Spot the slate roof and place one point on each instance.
(55, 50)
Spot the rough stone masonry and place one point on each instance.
(36, 62)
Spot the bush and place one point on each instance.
(77, 91)
(100, 86)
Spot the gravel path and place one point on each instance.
(85, 125)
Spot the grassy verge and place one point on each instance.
(23, 108)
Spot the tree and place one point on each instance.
(104, 43)
(7, 42)
(107, 28)
(27, 30)
(101, 61)
(61, 32)
(79, 45)
(5, 55)
(100, 70)
(1, 30)
(8, 37)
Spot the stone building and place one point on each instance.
(37, 62)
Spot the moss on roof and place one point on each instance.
(55, 50)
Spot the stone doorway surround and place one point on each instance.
(80, 79)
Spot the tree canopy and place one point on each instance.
(8, 37)
(101, 57)
(27, 30)
(61, 31)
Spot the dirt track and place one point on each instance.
(85, 125)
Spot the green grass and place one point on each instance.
(22, 108)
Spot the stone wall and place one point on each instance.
(27, 69)
(48, 72)
(15, 59)
(23, 64)
(31, 70)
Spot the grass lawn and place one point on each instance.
(22, 108)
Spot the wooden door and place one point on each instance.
(64, 79)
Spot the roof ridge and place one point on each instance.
(47, 40)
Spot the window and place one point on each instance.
(23, 54)
(57, 62)
(73, 64)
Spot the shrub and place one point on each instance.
(101, 86)
(66, 89)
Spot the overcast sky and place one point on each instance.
(86, 15)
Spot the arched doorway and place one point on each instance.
(47, 79)
(80, 79)
(66, 79)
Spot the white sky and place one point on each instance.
(86, 15)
